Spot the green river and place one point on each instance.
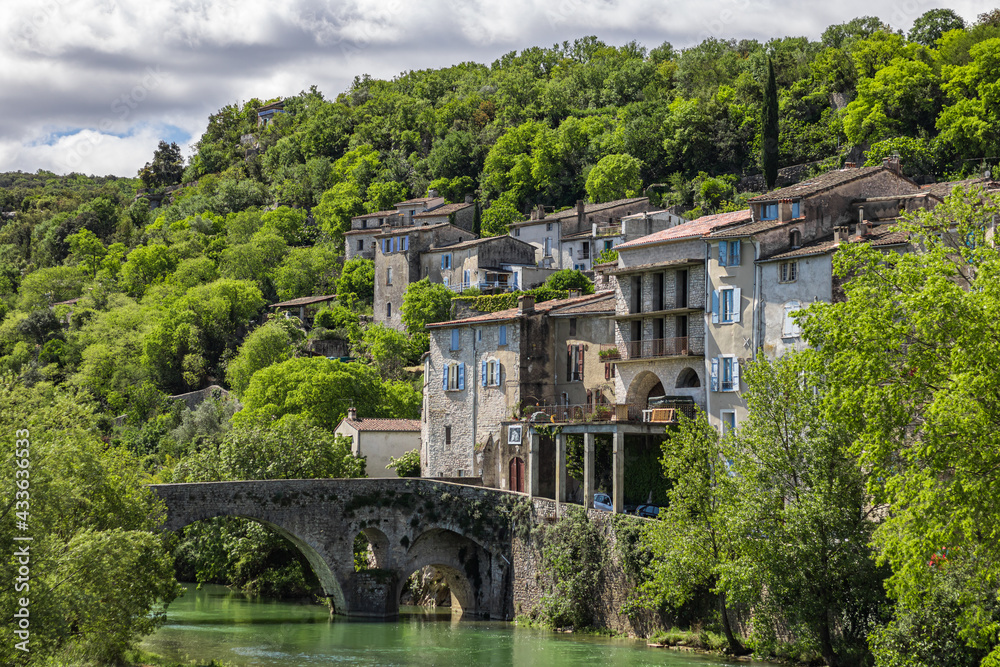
(214, 623)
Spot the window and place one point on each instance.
(769, 212)
(548, 246)
(795, 238)
(404, 243)
(729, 253)
(388, 275)
(725, 373)
(383, 246)
(517, 231)
(447, 435)
(490, 371)
(502, 334)
(548, 226)
(446, 261)
(789, 328)
(726, 305)
(728, 418)
(388, 310)
(454, 339)
(585, 251)
(608, 245)
(364, 224)
(479, 334)
(465, 278)
(454, 376)
(574, 363)
(572, 326)
(636, 294)
(788, 272)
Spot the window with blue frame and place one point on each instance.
(729, 253)
(769, 212)
(726, 305)
(446, 261)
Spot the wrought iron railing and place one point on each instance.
(606, 412)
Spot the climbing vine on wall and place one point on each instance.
(573, 551)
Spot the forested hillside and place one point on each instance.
(108, 306)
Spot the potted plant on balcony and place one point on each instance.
(609, 354)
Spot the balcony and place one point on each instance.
(485, 286)
(608, 412)
(652, 348)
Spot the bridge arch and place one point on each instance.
(319, 564)
(464, 563)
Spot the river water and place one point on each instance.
(215, 623)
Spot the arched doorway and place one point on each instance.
(688, 379)
(644, 385)
(515, 475)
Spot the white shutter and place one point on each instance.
(736, 374)
(715, 307)
(715, 374)
(737, 305)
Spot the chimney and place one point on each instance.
(468, 199)
(593, 230)
(352, 413)
(864, 229)
(784, 210)
(526, 304)
(891, 163)
(841, 233)
(432, 193)
(850, 165)
(572, 293)
(541, 212)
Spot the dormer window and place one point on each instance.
(795, 239)
(769, 212)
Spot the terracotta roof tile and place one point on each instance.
(750, 229)
(377, 214)
(944, 189)
(587, 210)
(304, 301)
(384, 424)
(694, 229)
(447, 209)
(511, 313)
(605, 305)
(881, 236)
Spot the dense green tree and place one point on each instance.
(266, 345)
(769, 146)
(929, 26)
(568, 279)
(424, 303)
(87, 249)
(904, 356)
(145, 266)
(357, 278)
(614, 177)
(166, 167)
(390, 351)
(968, 122)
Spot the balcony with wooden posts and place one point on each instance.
(652, 348)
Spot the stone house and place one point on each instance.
(660, 311)
(359, 240)
(461, 215)
(379, 439)
(397, 263)
(411, 207)
(783, 220)
(487, 264)
(579, 250)
(546, 231)
(485, 371)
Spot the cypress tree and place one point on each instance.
(769, 151)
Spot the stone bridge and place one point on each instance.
(464, 531)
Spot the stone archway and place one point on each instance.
(462, 562)
(688, 379)
(642, 385)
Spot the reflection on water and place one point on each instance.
(214, 623)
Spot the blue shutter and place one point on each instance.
(503, 334)
(442, 262)
(723, 249)
(461, 376)
(483, 372)
(715, 374)
(445, 382)
(735, 249)
(454, 339)
(795, 209)
(715, 307)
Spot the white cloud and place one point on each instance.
(79, 65)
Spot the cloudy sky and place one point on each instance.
(93, 85)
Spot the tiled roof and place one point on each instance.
(447, 209)
(736, 231)
(694, 229)
(377, 214)
(304, 301)
(384, 424)
(417, 200)
(944, 189)
(409, 229)
(882, 236)
(511, 313)
(605, 305)
(587, 210)
(818, 184)
(473, 242)
(370, 230)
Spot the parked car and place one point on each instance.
(647, 511)
(602, 501)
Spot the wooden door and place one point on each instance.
(516, 475)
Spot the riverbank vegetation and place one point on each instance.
(119, 296)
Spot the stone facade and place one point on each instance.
(476, 263)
